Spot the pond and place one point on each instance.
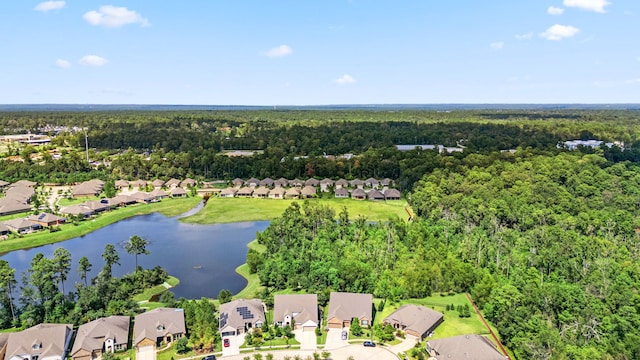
(203, 257)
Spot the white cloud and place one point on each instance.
(49, 5)
(526, 36)
(345, 79)
(559, 32)
(498, 45)
(279, 51)
(552, 10)
(63, 64)
(633, 81)
(591, 5)
(114, 17)
(93, 60)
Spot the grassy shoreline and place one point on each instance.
(168, 207)
(230, 210)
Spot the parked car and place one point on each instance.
(226, 342)
(369, 344)
(209, 357)
(344, 335)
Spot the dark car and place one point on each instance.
(209, 357)
(369, 344)
(344, 335)
(226, 342)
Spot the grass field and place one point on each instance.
(229, 210)
(148, 294)
(169, 207)
(73, 201)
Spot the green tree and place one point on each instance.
(7, 283)
(84, 268)
(136, 246)
(356, 329)
(224, 296)
(111, 257)
(62, 263)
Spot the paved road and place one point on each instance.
(358, 352)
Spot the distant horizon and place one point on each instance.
(380, 106)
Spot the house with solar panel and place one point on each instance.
(241, 316)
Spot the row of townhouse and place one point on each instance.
(53, 341)
(324, 184)
(308, 191)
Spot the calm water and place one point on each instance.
(203, 257)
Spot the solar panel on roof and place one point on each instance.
(41, 216)
(223, 319)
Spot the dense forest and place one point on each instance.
(546, 244)
(148, 145)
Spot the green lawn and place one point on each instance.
(453, 325)
(168, 207)
(73, 201)
(148, 294)
(229, 210)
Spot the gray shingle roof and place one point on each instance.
(417, 318)
(464, 347)
(44, 340)
(303, 307)
(346, 306)
(91, 336)
(158, 322)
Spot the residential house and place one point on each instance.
(341, 183)
(245, 192)
(299, 311)
(375, 195)
(229, 192)
(414, 320)
(88, 188)
(186, 183)
(121, 184)
(392, 194)
(281, 182)
(358, 194)
(142, 197)
(253, 182)
(3, 344)
(372, 183)
(312, 182)
(357, 183)
(277, 193)
(12, 206)
(326, 184)
(341, 193)
(22, 226)
(96, 206)
(76, 210)
(109, 334)
(171, 183)
(121, 200)
(296, 183)
(386, 182)
(240, 316)
(464, 347)
(46, 219)
(159, 194)
(4, 230)
(292, 193)
(155, 328)
(44, 342)
(22, 194)
(344, 307)
(237, 182)
(158, 183)
(138, 184)
(23, 183)
(178, 192)
(268, 182)
(262, 192)
(308, 191)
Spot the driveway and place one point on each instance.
(407, 344)
(334, 340)
(234, 345)
(307, 339)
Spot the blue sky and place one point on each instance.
(297, 52)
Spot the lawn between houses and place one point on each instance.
(230, 210)
(167, 207)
